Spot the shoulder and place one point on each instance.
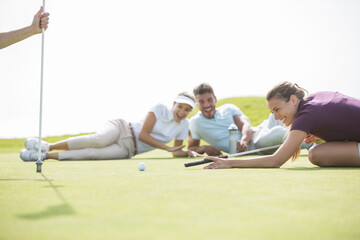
(229, 108)
(196, 117)
(161, 110)
(185, 122)
(325, 96)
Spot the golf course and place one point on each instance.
(112, 199)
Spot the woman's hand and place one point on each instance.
(194, 154)
(174, 148)
(41, 20)
(217, 163)
(311, 139)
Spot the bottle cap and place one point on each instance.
(232, 127)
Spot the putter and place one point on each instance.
(39, 161)
(190, 164)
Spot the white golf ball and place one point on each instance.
(141, 166)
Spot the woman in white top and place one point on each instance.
(119, 139)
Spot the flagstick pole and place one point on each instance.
(39, 161)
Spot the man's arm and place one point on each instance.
(243, 123)
(194, 145)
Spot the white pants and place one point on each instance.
(270, 132)
(113, 141)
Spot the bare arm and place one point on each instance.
(182, 153)
(145, 136)
(287, 149)
(194, 145)
(40, 21)
(243, 123)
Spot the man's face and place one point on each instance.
(206, 103)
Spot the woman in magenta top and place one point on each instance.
(329, 116)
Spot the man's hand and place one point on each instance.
(211, 150)
(242, 146)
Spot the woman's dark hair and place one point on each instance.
(284, 90)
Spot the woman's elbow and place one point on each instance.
(141, 137)
(276, 162)
(277, 165)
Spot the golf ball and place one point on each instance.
(141, 166)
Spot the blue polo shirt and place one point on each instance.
(215, 130)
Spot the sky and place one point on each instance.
(114, 59)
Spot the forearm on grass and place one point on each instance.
(276, 160)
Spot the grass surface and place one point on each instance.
(113, 200)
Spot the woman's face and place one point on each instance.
(284, 111)
(181, 111)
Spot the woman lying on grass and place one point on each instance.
(330, 116)
(119, 139)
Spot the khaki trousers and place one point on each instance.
(113, 141)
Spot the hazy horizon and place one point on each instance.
(116, 59)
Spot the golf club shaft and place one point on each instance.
(251, 151)
(39, 161)
(190, 164)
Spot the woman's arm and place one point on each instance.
(182, 153)
(40, 21)
(145, 136)
(287, 149)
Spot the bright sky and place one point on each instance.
(116, 59)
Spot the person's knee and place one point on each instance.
(99, 141)
(272, 137)
(314, 157)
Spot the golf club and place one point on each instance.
(39, 161)
(190, 164)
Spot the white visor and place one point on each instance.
(183, 99)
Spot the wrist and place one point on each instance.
(244, 141)
(30, 30)
(230, 163)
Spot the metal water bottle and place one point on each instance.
(233, 138)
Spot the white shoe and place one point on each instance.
(33, 144)
(31, 155)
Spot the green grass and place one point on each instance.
(113, 200)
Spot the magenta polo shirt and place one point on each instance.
(330, 116)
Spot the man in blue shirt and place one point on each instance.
(211, 124)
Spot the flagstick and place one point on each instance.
(39, 161)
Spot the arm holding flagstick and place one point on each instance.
(40, 20)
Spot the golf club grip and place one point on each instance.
(190, 164)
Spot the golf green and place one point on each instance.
(114, 200)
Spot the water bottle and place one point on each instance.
(233, 138)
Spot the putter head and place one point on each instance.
(38, 166)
